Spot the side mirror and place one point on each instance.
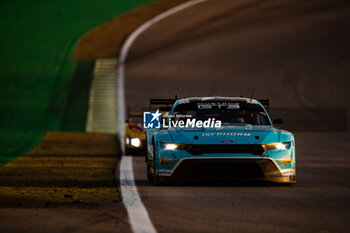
(278, 121)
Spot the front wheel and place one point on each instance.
(149, 173)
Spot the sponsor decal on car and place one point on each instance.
(226, 134)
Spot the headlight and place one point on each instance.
(276, 146)
(136, 142)
(170, 146)
(173, 146)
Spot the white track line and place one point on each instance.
(123, 56)
(138, 216)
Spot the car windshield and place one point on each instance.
(226, 112)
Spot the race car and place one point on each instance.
(135, 138)
(234, 140)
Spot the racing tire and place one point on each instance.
(156, 179)
(149, 174)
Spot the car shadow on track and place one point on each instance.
(211, 183)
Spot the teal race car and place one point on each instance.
(219, 138)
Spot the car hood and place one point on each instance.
(232, 134)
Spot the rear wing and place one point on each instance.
(164, 105)
(265, 103)
(135, 114)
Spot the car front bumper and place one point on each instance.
(227, 169)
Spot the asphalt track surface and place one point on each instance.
(297, 53)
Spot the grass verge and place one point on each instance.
(75, 113)
(64, 167)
